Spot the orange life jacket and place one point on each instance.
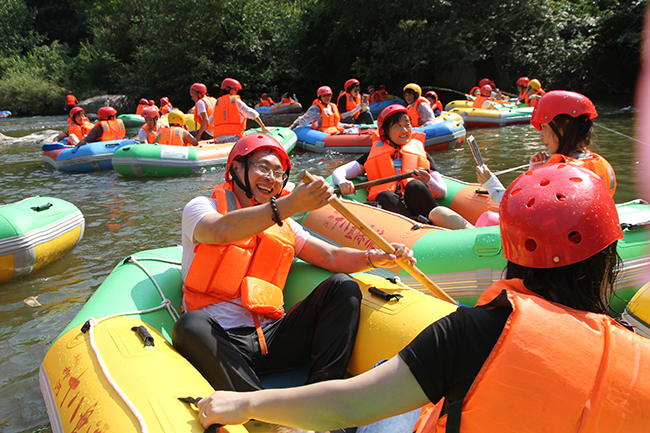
(70, 100)
(166, 108)
(328, 123)
(209, 109)
(533, 102)
(478, 102)
(227, 120)
(380, 163)
(557, 369)
(140, 107)
(285, 100)
(113, 129)
(595, 163)
(376, 97)
(172, 136)
(266, 102)
(413, 110)
(438, 105)
(152, 135)
(522, 96)
(350, 102)
(225, 272)
(79, 130)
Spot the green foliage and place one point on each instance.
(25, 90)
(16, 32)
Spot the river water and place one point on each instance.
(127, 215)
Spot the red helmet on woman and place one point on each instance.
(230, 83)
(486, 90)
(557, 215)
(199, 88)
(558, 102)
(150, 112)
(350, 83)
(76, 110)
(250, 143)
(523, 81)
(432, 94)
(164, 100)
(324, 90)
(105, 112)
(388, 112)
(143, 101)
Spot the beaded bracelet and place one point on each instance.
(276, 216)
(367, 257)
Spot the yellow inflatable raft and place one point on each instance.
(637, 311)
(113, 369)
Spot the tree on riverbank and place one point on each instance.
(155, 49)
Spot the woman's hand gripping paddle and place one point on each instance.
(409, 267)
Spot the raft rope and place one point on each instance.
(620, 133)
(92, 322)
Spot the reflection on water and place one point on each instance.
(126, 215)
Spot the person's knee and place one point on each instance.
(346, 288)
(188, 326)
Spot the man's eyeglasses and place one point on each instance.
(267, 171)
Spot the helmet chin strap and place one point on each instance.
(560, 137)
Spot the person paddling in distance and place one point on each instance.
(564, 120)
(107, 129)
(419, 108)
(177, 133)
(238, 247)
(231, 113)
(70, 101)
(540, 338)
(435, 103)
(150, 131)
(396, 151)
(165, 106)
(322, 114)
(141, 106)
(203, 108)
(78, 126)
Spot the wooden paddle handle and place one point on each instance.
(371, 183)
(378, 240)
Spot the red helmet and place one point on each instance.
(382, 86)
(150, 112)
(432, 94)
(105, 112)
(199, 88)
(558, 102)
(557, 215)
(386, 113)
(486, 90)
(250, 143)
(371, 89)
(143, 101)
(76, 110)
(324, 90)
(69, 92)
(265, 95)
(230, 83)
(151, 102)
(351, 82)
(523, 81)
(164, 100)
(484, 82)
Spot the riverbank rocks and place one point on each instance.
(122, 103)
(45, 136)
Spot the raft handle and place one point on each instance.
(42, 207)
(482, 191)
(385, 296)
(144, 334)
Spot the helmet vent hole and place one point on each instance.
(544, 182)
(530, 245)
(560, 197)
(515, 192)
(575, 238)
(575, 179)
(530, 203)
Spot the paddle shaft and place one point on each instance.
(508, 170)
(378, 240)
(371, 183)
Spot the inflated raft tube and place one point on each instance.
(94, 358)
(95, 156)
(637, 311)
(35, 232)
